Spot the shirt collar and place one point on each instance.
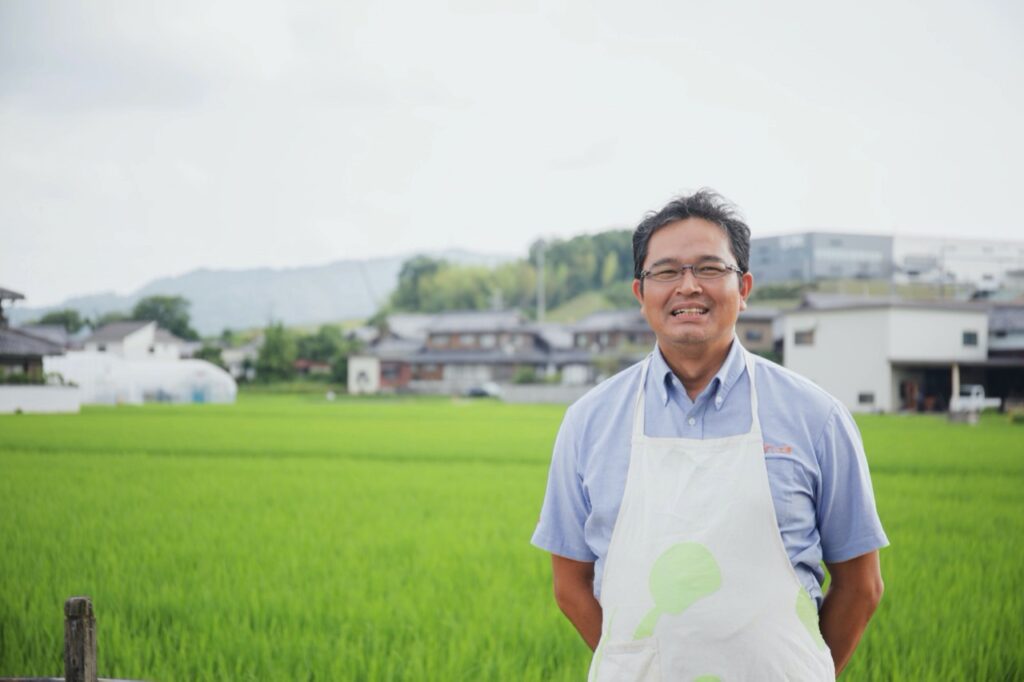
(723, 381)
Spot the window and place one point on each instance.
(440, 339)
(467, 340)
(866, 398)
(970, 338)
(755, 335)
(804, 338)
(581, 340)
(488, 340)
(102, 348)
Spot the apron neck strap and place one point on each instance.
(638, 408)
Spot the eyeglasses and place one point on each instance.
(700, 271)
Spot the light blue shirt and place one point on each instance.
(817, 470)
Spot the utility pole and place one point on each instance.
(540, 281)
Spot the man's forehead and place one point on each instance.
(672, 260)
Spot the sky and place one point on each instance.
(143, 139)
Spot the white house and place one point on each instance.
(136, 340)
(886, 356)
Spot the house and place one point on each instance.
(241, 361)
(454, 352)
(23, 382)
(137, 340)
(888, 355)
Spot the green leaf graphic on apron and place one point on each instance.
(707, 678)
(680, 576)
(807, 612)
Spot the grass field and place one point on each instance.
(286, 538)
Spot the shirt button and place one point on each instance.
(718, 401)
(691, 421)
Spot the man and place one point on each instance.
(693, 496)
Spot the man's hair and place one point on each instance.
(706, 204)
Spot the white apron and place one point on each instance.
(697, 585)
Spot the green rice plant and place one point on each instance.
(287, 537)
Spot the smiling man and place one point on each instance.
(693, 496)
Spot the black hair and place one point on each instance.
(706, 204)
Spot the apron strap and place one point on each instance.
(638, 404)
(755, 421)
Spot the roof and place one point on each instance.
(55, 333)
(830, 302)
(475, 321)
(116, 331)
(19, 343)
(409, 325)
(164, 336)
(10, 295)
(553, 334)
(613, 320)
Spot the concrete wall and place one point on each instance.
(936, 335)
(849, 355)
(542, 393)
(39, 399)
(363, 374)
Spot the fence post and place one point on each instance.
(79, 640)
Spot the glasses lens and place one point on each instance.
(710, 271)
(667, 275)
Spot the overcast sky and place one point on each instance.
(141, 139)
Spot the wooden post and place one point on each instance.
(79, 640)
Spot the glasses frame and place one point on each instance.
(680, 271)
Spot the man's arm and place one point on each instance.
(574, 591)
(852, 597)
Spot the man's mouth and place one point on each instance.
(689, 311)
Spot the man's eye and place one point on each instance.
(710, 269)
(664, 275)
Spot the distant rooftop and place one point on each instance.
(116, 331)
(18, 343)
(475, 321)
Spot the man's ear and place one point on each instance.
(746, 286)
(638, 291)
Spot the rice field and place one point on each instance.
(290, 538)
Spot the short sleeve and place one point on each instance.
(566, 507)
(848, 521)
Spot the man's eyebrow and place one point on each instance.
(676, 261)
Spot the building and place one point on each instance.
(813, 256)
(24, 385)
(888, 355)
(137, 340)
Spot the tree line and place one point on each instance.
(601, 262)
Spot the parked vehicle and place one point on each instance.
(972, 399)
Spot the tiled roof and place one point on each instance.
(116, 331)
(612, 320)
(18, 343)
(475, 321)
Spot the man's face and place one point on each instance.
(692, 314)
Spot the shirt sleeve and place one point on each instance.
(564, 514)
(848, 521)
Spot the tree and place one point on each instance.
(68, 318)
(169, 312)
(323, 346)
(276, 358)
(407, 295)
(110, 318)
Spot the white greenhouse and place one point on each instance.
(110, 380)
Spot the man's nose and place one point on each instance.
(688, 283)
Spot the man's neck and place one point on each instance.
(695, 364)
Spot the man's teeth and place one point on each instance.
(689, 311)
